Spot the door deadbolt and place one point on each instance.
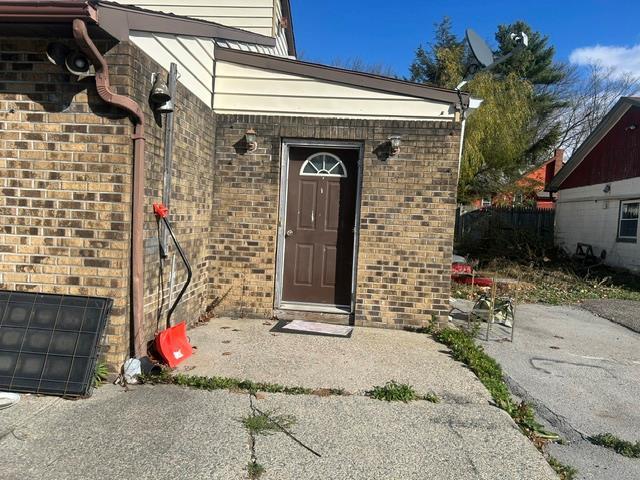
(289, 233)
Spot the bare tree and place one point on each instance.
(356, 64)
(589, 101)
(359, 65)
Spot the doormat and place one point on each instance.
(49, 343)
(313, 328)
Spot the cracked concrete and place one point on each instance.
(246, 348)
(581, 374)
(365, 439)
(168, 432)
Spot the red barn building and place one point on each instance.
(599, 189)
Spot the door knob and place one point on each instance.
(289, 233)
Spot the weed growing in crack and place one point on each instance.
(394, 392)
(328, 392)
(268, 423)
(255, 470)
(100, 374)
(221, 383)
(431, 397)
(565, 472)
(623, 447)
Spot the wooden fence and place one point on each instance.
(489, 222)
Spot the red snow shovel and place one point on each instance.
(172, 344)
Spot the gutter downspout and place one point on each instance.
(103, 86)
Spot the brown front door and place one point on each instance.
(321, 206)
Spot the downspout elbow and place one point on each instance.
(86, 45)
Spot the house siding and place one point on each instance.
(242, 89)
(407, 216)
(192, 55)
(252, 15)
(65, 208)
(615, 157)
(588, 215)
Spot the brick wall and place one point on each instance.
(191, 196)
(65, 185)
(65, 203)
(65, 208)
(407, 216)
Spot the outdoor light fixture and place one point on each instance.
(160, 96)
(631, 127)
(607, 188)
(394, 145)
(251, 140)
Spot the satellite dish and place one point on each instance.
(479, 48)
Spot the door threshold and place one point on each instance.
(316, 307)
(290, 314)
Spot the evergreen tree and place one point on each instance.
(516, 125)
(442, 63)
(536, 64)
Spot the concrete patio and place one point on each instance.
(246, 348)
(168, 432)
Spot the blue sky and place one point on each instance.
(388, 31)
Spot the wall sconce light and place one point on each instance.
(251, 140)
(607, 188)
(394, 145)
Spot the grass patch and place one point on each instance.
(556, 281)
(255, 470)
(565, 472)
(393, 391)
(222, 383)
(623, 447)
(268, 423)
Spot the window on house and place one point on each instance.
(628, 223)
(324, 164)
(485, 202)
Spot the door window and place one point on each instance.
(323, 164)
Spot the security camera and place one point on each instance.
(520, 39)
(73, 61)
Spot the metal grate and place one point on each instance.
(49, 343)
